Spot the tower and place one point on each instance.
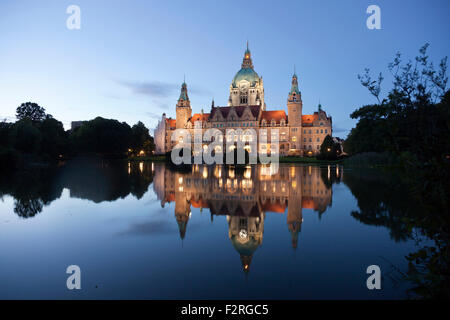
(247, 88)
(184, 111)
(295, 105)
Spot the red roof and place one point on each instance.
(172, 123)
(276, 115)
(309, 118)
(274, 207)
(199, 117)
(308, 203)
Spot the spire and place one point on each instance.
(246, 260)
(294, 87)
(247, 62)
(212, 103)
(184, 94)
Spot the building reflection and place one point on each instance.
(245, 195)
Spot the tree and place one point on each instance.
(30, 110)
(5, 134)
(329, 149)
(102, 136)
(409, 120)
(25, 136)
(54, 138)
(139, 136)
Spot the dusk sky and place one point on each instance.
(128, 60)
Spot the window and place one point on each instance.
(304, 131)
(310, 140)
(317, 131)
(310, 131)
(318, 139)
(318, 147)
(321, 130)
(304, 139)
(326, 131)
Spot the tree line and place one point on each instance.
(413, 120)
(38, 135)
(411, 125)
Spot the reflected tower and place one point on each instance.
(246, 234)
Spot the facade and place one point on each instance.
(299, 134)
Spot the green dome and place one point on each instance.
(247, 248)
(246, 74)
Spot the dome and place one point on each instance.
(245, 74)
(247, 248)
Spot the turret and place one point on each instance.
(184, 111)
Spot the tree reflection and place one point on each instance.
(90, 179)
(411, 208)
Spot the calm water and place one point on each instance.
(142, 230)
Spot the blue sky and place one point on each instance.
(128, 60)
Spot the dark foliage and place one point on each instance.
(329, 150)
(412, 123)
(101, 136)
(31, 111)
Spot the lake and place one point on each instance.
(147, 231)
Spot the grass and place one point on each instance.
(148, 158)
(294, 159)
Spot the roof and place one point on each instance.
(308, 203)
(276, 207)
(245, 74)
(171, 123)
(239, 110)
(309, 118)
(199, 117)
(276, 115)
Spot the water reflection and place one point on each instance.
(245, 196)
(250, 200)
(88, 179)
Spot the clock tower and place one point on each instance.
(295, 105)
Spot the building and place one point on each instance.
(299, 134)
(76, 124)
